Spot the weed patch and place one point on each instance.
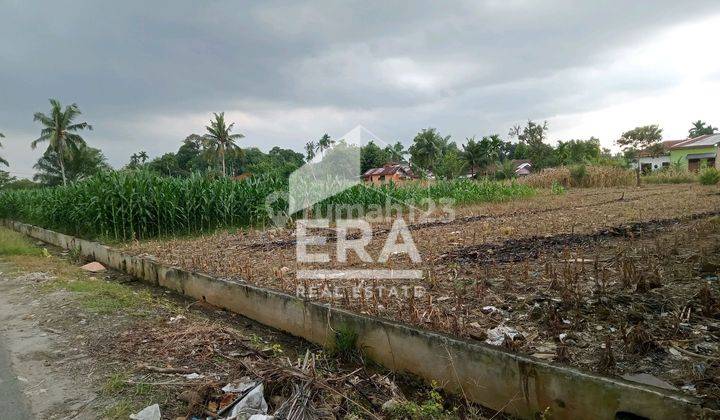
(13, 243)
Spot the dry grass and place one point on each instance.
(581, 176)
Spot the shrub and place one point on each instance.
(709, 176)
(557, 189)
(578, 176)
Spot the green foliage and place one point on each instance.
(427, 148)
(709, 176)
(700, 129)
(578, 176)
(450, 165)
(81, 162)
(141, 204)
(506, 171)
(60, 132)
(557, 188)
(432, 408)
(675, 174)
(578, 151)
(345, 342)
(218, 141)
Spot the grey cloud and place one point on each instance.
(470, 65)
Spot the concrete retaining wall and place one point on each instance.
(497, 379)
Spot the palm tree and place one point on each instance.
(59, 130)
(3, 161)
(310, 150)
(473, 155)
(699, 129)
(324, 143)
(220, 139)
(143, 156)
(427, 148)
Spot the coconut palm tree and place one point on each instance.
(324, 143)
(3, 161)
(219, 140)
(143, 156)
(60, 131)
(474, 155)
(310, 150)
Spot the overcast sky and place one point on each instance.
(146, 74)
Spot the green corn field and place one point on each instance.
(139, 204)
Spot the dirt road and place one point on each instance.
(35, 381)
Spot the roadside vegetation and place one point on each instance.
(13, 243)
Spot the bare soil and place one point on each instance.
(619, 281)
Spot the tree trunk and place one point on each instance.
(62, 168)
(222, 155)
(637, 172)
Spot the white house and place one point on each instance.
(653, 163)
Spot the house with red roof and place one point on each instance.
(390, 172)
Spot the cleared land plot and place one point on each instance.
(621, 281)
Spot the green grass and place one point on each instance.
(13, 243)
(106, 297)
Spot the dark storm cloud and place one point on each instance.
(461, 64)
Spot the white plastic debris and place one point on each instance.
(253, 403)
(496, 336)
(193, 376)
(151, 412)
(239, 386)
(176, 319)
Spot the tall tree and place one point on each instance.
(3, 161)
(396, 152)
(473, 155)
(219, 139)
(372, 156)
(83, 162)
(700, 129)
(427, 148)
(324, 143)
(638, 139)
(60, 131)
(532, 144)
(310, 150)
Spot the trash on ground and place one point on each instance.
(239, 386)
(151, 412)
(496, 336)
(253, 403)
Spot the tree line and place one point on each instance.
(69, 158)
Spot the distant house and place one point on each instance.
(523, 167)
(649, 162)
(394, 172)
(694, 153)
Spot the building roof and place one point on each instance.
(389, 169)
(667, 145)
(702, 141)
